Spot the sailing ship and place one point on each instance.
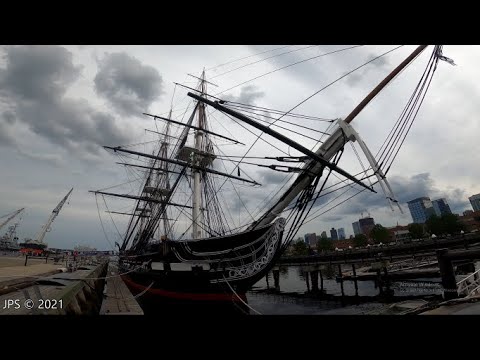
(210, 263)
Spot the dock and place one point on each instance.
(118, 300)
(43, 286)
(75, 293)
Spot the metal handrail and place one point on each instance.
(465, 284)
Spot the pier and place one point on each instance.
(43, 286)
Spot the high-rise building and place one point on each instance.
(311, 239)
(341, 234)
(333, 234)
(421, 209)
(440, 206)
(324, 235)
(356, 228)
(475, 201)
(366, 225)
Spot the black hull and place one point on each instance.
(220, 288)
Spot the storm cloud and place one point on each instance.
(405, 189)
(37, 73)
(129, 86)
(34, 83)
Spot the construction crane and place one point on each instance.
(46, 227)
(10, 217)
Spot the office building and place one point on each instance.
(421, 209)
(440, 206)
(333, 234)
(356, 228)
(475, 201)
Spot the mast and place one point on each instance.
(197, 215)
(314, 167)
(11, 217)
(52, 217)
(164, 177)
(329, 148)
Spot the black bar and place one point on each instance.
(193, 127)
(282, 138)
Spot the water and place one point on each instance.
(294, 299)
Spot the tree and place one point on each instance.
(416, 231)
(324, 244)
(451, 224)
(446, 224)
(380, 234)
(300, 248)
(360, 240)
(435, 225)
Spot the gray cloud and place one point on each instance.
(9, 117)
(38, 73)
(72, 123)
(271, 177)
(128, 85)
(54, 159)
(360, 74)
(33, 84)
(332, 218)
(405, 189)
(249, 94)
(6, 139)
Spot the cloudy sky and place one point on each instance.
(60, 104)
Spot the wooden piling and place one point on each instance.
(321, 281)
(276, 279)
(341, 279)
(307, 279)
(379, 282)
(449, 282)
(355, 282)
(387, 281)
(314, 276)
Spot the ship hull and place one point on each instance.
(216, 273)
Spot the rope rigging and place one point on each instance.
(215, 218)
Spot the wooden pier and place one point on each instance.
(67, 293)
(118, 300)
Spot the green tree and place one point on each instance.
(324, 244)
(446, 224)
(434, 225)
(300, 248)
(451, 224)
(360, 240)
(380, 234)
(416, 231)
